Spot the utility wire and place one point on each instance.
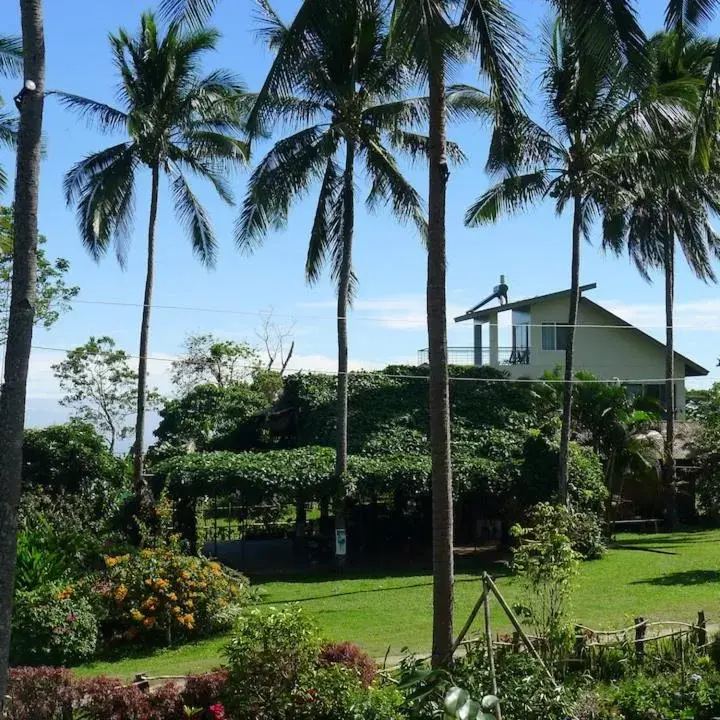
(405, 376)
(373, 318)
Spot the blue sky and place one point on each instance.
(387, 324)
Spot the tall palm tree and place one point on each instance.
(22, 303)
(654, 212)
(178, 122)
(335, 83)
(426, 32)
(10, 65)
(589, 105)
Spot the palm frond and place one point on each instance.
(208, 169)
(80, 174)
(417, 146)
(398, 113)
(496, 38)
(106, 201)
(193, 216)
(8, 130)
(465, 102)
(328, 214)
(193, 12)
(514, 194)
(11, 55)
(689, 13)
(285, 174)
(271, 29)
(390, 187)
(96, 114)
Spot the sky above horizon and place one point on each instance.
(387, 323)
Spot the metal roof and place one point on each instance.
(485, 312)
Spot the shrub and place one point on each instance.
(166, 703)
(39, 693)
(547, 564)
(202, 691)
(103, 698)
(160, 594)
(270, 653)
(52, 626)
(352, 657)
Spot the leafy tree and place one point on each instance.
(595, 126)
(207, 417)
(655, 211)
(70, 458)
(53, 294)
(20, 322)
(703, 405)
(210, 360)
(178, 122)
(99, 385)
(334, 82)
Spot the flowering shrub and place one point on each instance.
(52, 626)
(159, 592)
(352, 657)
(45, 693)
(41, 693)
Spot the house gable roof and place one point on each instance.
(692, 369)
(486, 312)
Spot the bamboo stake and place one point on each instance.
(518, 627)
(471, 618)
(491, 655)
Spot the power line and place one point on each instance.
(385, 319)
(406, 376)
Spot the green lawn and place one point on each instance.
(661, 577)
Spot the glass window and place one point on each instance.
(548, 336)
(561, 337)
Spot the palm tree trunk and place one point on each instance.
(22, 314)
(341, 451)
(669, 468)
(442, 513)
(141, 491)
(564, 464)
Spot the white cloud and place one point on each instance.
(395, 312)
(701, 315)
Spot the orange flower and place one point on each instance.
(177, 610)
(65, 594)
(187, 620)
(190, 604)
(185, 575)
(136, 615)
(110, 561)
(148, 622)
(120, 593)
(172, 597)
(150, 603)
(161, 583)
(148, 581)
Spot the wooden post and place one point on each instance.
(491, 655)
(702, 637)
(517, 626)
(579, 642)
(640, 630)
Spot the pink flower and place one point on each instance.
(218, 712)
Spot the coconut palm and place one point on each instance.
(589, 105)
(178, 122)
(10, 65)
(342, 95)
(657, 211)
(20, 319)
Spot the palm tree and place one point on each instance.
(178, 122)
(10, 65)
(589, 105)
(341, 93)
(657, 211)
(22, 303)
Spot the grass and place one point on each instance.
(659, 577)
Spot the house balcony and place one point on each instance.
(482, 356)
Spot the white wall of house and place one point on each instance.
(608, 352)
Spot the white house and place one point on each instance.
(605, 344)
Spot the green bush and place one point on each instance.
(50, 626)
(269, 656)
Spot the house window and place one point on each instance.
(554, 336)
